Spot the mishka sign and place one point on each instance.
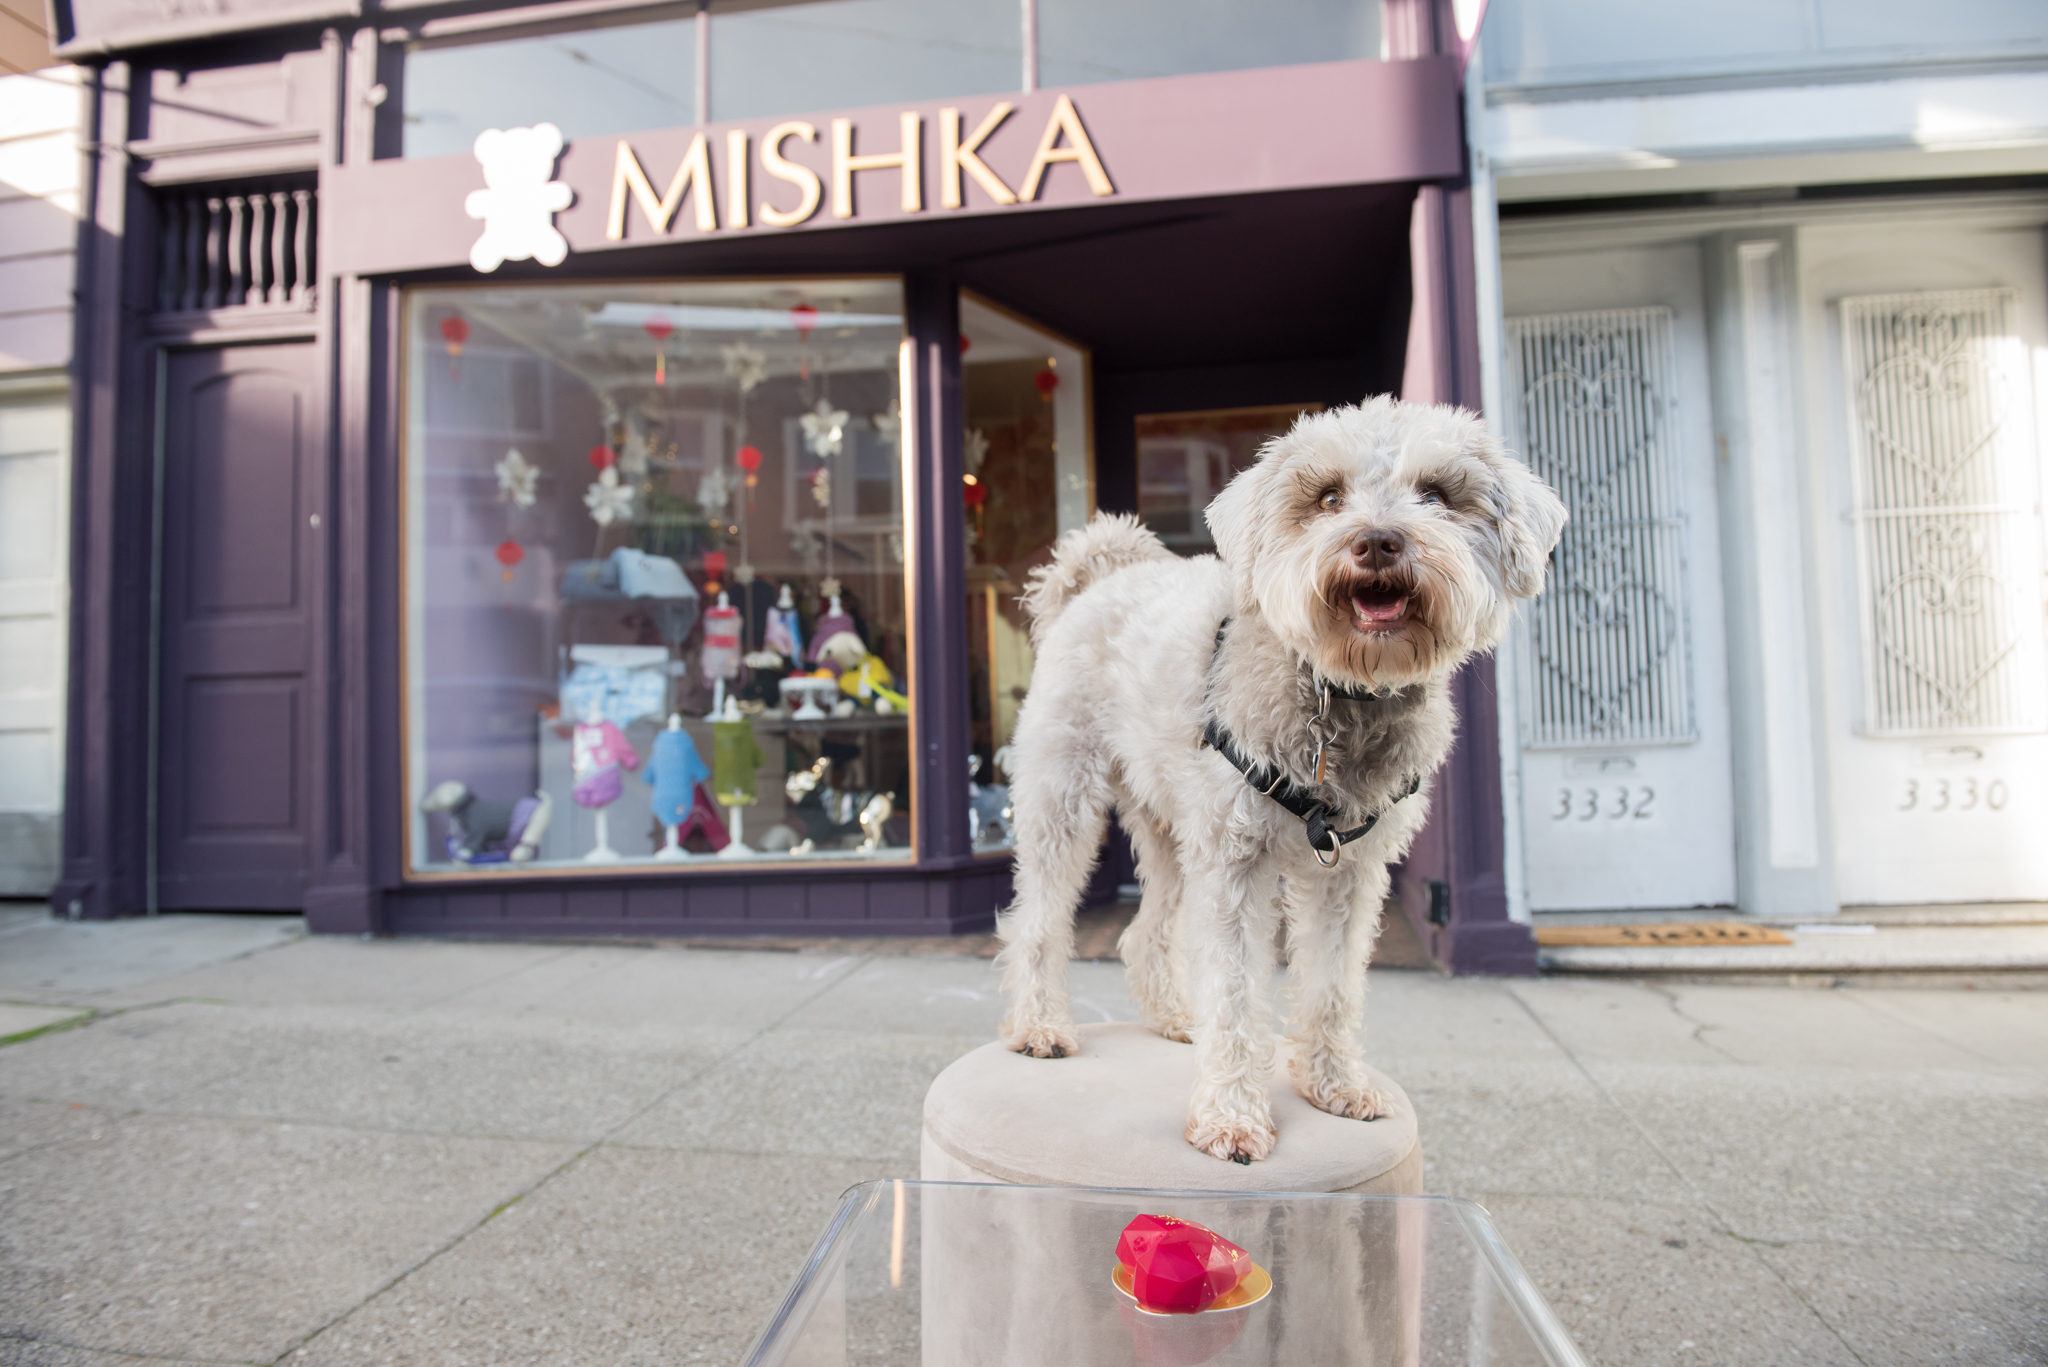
(1126, 142)
(1065, 139)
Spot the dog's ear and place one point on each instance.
(1230, 515)
(1527, 517)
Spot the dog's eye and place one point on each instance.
(1430, 493)
(1331, 500)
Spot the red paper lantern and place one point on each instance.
(1047, 381)
(659, 327)
(975, 494)
(602, 457)
(803, 318)
(748, 458)
(964, 344)
(1179, 1267)
(454, 332)
(714, 564)
(509, 553)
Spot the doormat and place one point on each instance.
(1703, 933)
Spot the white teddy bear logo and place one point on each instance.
(520, 207)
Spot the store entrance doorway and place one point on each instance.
(235, 572)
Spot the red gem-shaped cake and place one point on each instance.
(1177, 1266)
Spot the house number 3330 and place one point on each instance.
(1620, 802)
(1968, 794)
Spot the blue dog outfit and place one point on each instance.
(675, 770)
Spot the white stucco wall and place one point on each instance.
(39, 205)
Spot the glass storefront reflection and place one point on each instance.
(1026, 479)
(655, 575)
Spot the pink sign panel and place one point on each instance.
(1177, 137)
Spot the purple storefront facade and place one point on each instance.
(283, 327)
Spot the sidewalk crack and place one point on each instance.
(462, 1236)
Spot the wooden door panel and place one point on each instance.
(238, 552)
(242, 757)
(242, 554)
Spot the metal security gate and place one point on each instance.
(1606, 656)
(1619, 667)
(1948, 546)
(1937, 616)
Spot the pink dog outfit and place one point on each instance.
(598, 751)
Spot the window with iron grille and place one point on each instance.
(1947, 538)
(1606, 650)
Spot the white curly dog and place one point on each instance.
(1264, 723)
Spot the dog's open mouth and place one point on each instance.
(1376, 607)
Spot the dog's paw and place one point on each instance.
(1043, 1041)
(1179, 1030)
(1233, 1142)
(1353, 1103)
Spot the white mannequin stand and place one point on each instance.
(671, 851)
(602, 852)
(735, 815)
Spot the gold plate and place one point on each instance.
(1256, 1286)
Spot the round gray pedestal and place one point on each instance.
(1112, 1116)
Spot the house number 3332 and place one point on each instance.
(1968, 794)
(1621, 802)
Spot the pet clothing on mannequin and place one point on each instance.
(674, 769)
(599, 750)
(721, 658)
(784, 634)
(832, 624)
(735, 759)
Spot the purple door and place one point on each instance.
(239, 553)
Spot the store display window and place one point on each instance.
(1027, 476)
(654, 575)
(1185, 459)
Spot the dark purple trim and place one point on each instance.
(106, 732)
(901, 901)
(932, 309)
(1452, 885)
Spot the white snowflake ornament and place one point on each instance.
(821, 486)
(714, 491)
(977, 449)
(889, 424)
(519, 208)
(748, 365)
(825, 429)
(517, 479)
(608, 500)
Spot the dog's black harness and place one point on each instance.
(1315, 814)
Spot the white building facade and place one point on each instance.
(1761, 291)
(39, 206)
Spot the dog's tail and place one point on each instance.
(1110, 542)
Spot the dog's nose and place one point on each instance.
(1377, 550)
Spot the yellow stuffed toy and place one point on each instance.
(862, 676)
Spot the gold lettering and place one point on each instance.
(778, 166)
(956, 156)
(1078, 149)
(694, 175)
(736, 179)
(909, 162)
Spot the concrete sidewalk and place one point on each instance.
(235, 1144)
